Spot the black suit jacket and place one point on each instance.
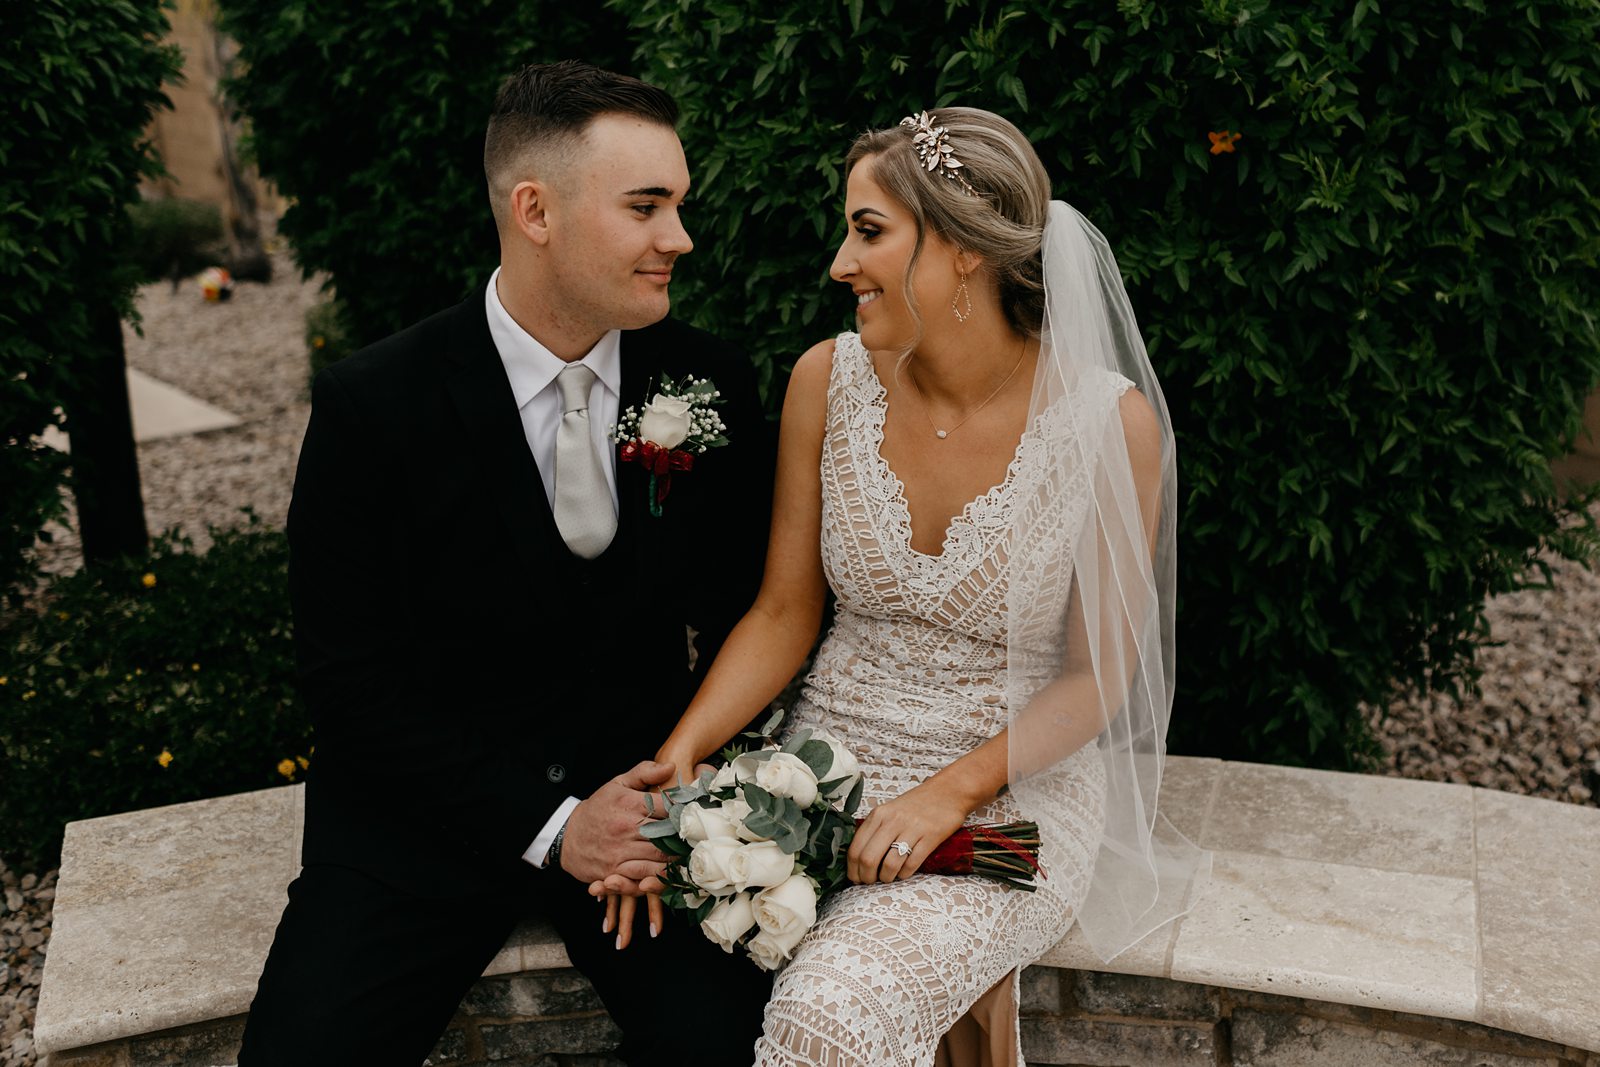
(465, 672)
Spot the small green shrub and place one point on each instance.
(326, 339)
(81, 80)
(148, 682)
(370, 119)
(174, 238)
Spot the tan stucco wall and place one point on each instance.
(189, 137)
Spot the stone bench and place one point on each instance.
(1350, 920)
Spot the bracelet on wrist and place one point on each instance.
(553, 857)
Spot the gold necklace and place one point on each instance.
(942, 434)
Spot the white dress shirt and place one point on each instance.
(532, 369)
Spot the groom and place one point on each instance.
(491, 622)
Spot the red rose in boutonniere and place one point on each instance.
(679, 424)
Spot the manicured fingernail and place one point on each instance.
(653, 930)
(619, 942)
(605, 925)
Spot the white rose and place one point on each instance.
(786, 775)
(665, 421)
(844, 765)
(709, 864)
(759, 864)
(787, 907)
(744, 767)
(699, 823)
(729, 920)
(724, 778)
(771, 951)
(737, 811)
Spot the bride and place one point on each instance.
(984, 477)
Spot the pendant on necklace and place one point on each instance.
(941, 434)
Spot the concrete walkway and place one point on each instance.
(160, 410)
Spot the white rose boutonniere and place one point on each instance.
(665, 421)
(674, 427)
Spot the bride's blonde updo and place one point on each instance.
(1001, 218)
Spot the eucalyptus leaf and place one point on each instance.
(652, 831)
(797, 741)
(853, 801)
(818, 755)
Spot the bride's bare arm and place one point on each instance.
(769, 644)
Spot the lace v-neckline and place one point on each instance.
(961, 524)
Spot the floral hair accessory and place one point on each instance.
(933, 149)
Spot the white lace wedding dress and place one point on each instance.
(912, 676)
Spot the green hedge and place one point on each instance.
(370, 119)
(1373, 318)
(81, 79)
(148, 682)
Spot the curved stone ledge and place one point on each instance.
(1414, 900)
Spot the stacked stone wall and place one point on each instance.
(1069, 1019)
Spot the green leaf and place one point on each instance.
(818, 755)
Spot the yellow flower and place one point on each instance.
(194, 666)
(4, 680)
(29, 695)
(286, 768)
(165, 758)
(318, 341)
(149, 581)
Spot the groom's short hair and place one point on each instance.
(540, 114)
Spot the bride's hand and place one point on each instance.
(922, 817)
(686, 772)
(622, 907)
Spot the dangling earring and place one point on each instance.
(961, 294)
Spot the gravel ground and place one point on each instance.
(247, 356)
(25, 902)
(1534, 727)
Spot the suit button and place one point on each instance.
(555, 772)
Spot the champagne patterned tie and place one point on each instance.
(584, 512)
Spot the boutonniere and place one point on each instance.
(679, 424)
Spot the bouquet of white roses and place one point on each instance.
(756, 846)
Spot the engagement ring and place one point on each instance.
(902, 848)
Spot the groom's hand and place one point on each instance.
(602, 836)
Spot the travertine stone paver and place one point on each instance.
(1393, 824)
(1333, 932)
(1540, 915)
(1188, 789)
(163, 917)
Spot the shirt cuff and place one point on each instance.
(539, 852)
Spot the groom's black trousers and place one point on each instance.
(363, 973)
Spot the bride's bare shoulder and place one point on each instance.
(809, 379)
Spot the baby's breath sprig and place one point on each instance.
(706, 428)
